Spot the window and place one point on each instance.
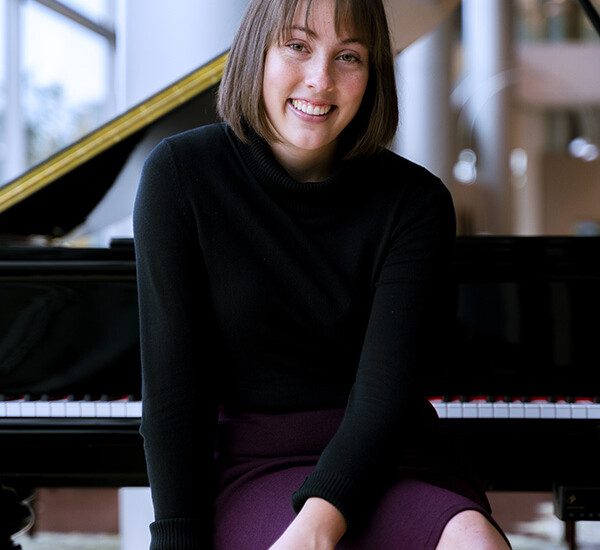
(552, 21)
(97, 10)
(3, 90)
(64, 55)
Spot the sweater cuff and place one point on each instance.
(340, 491)
(180, 534)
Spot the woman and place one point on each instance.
(290, 270)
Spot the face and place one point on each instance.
(314, 82)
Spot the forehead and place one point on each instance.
(313, 13)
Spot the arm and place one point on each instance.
(318, 526)
(179, 409)
(387, 395)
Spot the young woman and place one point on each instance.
(294, 276)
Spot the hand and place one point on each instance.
(318, 526)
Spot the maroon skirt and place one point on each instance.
(263, 458)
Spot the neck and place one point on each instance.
(305, 166)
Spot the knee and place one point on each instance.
(471, 529)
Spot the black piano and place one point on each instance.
(70, 381)
(519, 385)
(518, 389)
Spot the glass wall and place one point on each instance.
(552, 20)
(97, 10)
(65, 80)
(3, 144)
(525, 116)
(63, 54)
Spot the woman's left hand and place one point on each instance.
(318, 526)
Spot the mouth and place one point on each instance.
(311, 109)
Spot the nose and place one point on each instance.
(319, 75)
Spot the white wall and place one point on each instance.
(157, 44)
(163, 41)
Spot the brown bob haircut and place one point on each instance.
(267, 22)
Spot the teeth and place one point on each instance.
(310, 109)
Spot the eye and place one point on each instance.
(296, 46)
(350, 58)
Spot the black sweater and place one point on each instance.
(270, 294)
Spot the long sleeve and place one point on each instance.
(177, 354)
(384, 401)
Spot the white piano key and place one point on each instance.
(42, 409)
(73, 409)
(563, 410)
(103, 409)
(593, 411)
(28, 409)
(516, 410)
(454, 410)
(13, 409)
(88, 409)
(118, 409)
(2, 409)
(58, 409)
(578, 410)
(532, 410)
(470, 410)
(134, 409)
(440, 409)
(500, 409)
(547, 410)
(485, 410)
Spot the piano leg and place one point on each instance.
(570, 534)
(15, 516)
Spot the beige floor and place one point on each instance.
(530, 523)
(69, 541)
(527, 518)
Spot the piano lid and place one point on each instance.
(56, 195)
(592, 9)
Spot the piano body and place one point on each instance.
(519, 391)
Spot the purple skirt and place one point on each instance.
(263, 458)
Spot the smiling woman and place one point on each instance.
(313, 85)
(294, 283)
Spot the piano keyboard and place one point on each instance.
(70, 407)
(509, 408)
(446, 407)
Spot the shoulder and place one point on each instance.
(207, 139)
(190, 153)
(409, 183)
(402, 171)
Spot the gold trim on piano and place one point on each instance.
(111, 133)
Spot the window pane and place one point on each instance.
(94, 9)
(552, 21)
(65, 81)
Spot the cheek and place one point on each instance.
(356, 87)
(269, 91)
(277, 74)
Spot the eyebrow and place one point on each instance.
(313, 34)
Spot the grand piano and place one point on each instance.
(519, 388)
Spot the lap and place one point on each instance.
(255, 508)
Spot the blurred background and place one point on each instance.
(500, 98)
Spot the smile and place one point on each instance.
(309, 108)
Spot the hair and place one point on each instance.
(268, 21)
